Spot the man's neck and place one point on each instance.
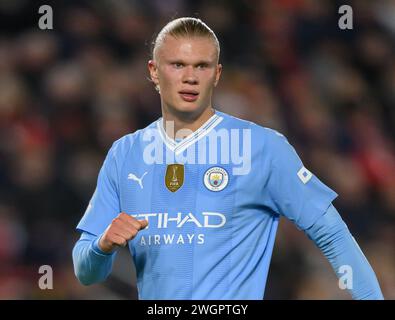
(177, 126)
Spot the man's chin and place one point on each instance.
(188, 111)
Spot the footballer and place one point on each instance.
(197, 195)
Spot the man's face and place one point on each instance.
(186, 70)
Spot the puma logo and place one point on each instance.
(131, 176)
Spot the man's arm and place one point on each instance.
(93, 256)
(295, 192)
(91, 264)
(333, 238)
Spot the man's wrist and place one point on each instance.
(97, 249)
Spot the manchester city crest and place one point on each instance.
(216, 179)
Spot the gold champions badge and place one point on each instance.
(174, 177)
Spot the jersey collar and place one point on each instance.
(179, 147)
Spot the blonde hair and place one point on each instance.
(185, 27)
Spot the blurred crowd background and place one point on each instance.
(66, 94)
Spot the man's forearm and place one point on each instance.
(91, 265)
(332, 236)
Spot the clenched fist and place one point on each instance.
(122, 229)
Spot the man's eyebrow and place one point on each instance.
(205, 62)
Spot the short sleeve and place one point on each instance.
(294, 191)
(104, 205)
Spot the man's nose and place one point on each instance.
(189, 75)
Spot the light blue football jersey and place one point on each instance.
(213, 202)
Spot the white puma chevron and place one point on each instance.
(131, 176)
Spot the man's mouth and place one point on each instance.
(189, 95)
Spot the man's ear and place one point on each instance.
(153, 70)
(217, 74)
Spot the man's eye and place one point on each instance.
(202, 66)
(177, 65)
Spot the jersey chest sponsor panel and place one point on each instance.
(186, 216)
